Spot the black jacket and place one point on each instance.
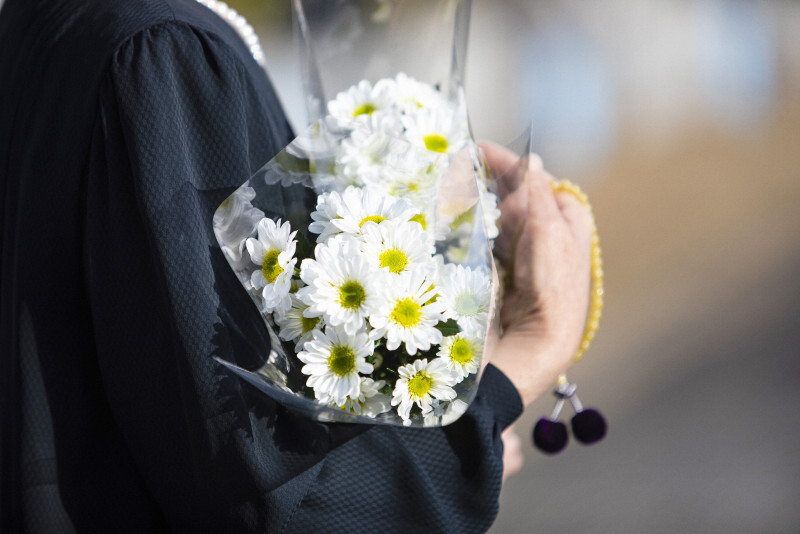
(123, 125)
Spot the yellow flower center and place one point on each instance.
(342, 360)
(395, 259)
(461, 351)
(270, 268)
(372, 218)
(420, 218)
(308, 323)
(420, 384)
(435, 143)
(406, 313)
(351, 295)
(365, 108)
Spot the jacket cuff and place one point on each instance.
(497, 391)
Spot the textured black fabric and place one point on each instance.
(123, 125)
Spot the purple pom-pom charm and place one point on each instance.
(588, 426)
(550, 436)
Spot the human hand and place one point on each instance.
(512, 452)
(547, 239)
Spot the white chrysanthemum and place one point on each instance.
(421, 382)
(456, 409)
(462, 353)
(406, 314)
(491, 213)
(430, 420)
(359, 206)
(370, 401)
(412, 94)
(361, 101)
(369, 144)
(316, 143)
(410, 174)
(329, 205)
(342, 286)
(331, 178)
(274, 252)
(415, 175)
(396, 247)
(409, 184)
(333, 361)
(234, 221)
(433, 271)
(438, 130)
(294, 326)
(466, 294)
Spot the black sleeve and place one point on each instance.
(183, 121)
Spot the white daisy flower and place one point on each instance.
(491, 213)
(360, 206)
(396, 246)
(414, 175)
(369, 141)
(360, 101)
(433, 271)
(294, 326)
(408, 313)
(456, 409)
(462, 353)
(432, 419)
(332, 178)
(333, 361)
(366, 151)
(316, 143)
(329, 205)
(234, 221)
(465, 294)
(341, 285)
(274, 252)
(412, 94)
(438, 130)
(370, 401)
(420, 383)
(409, 173)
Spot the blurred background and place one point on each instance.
(681, 119)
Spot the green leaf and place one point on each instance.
(449, 328)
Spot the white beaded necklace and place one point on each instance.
(238, 23)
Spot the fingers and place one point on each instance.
(508, 169)
(513, 458)
(501, 160)
(536, 203)
(542, 206)
(575, 209)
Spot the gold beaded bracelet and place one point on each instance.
(550, 435)
(596, 296)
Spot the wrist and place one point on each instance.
(532, 364)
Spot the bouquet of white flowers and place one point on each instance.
(366, 245)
